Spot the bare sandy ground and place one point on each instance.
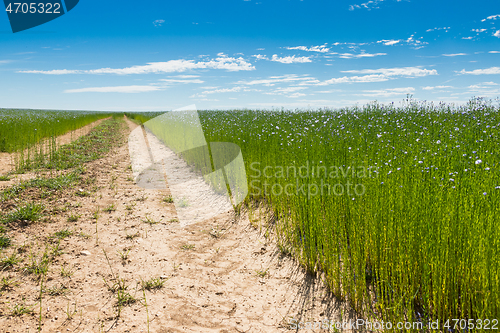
(221, 275)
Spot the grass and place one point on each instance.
(4, 178)
(67, 271)
(5, 241)
(38, 266)
(168, 199)
(152, 284)
(21, 309)
(124, 255)
(150, 221)
(56, 290)
(8, 283)
(397, 205)
(109, 209)
(27, 214)
(10, 261)
(62, 234)
(188, 247)
(54, 184)
(262, 272)
(74, 217)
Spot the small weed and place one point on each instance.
(5, 241)
(118, 285)
(142, 198)
(130, 179)
(83, 193)
(216, 232)
(67, 271)
(262, 273)
(173, 220)
(124, 254)
(57, 291)
(175, 267)
(74, 217)
(70, 313)
(188, 247)
(110, 208)
(168, 199)
(8, 283)
(153, 284)
(84, 235)
(10, 261)
(20, 309)
(130, 207)
(55, 250)
(95, 215)
(150, 221)
(38, 267)
(132, 236)
(62, 234)
(124, 298)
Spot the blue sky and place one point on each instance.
(161, 55)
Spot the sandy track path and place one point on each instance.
(213, 270)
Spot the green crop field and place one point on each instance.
(21, 129)
(33, 133)
(398, 206)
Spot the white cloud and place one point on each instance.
(369, 5)
(497, 34)
(436, 87)
(398, 71)
(494, 52)
(182, 81)
(158, 23)
(479, 30)
(454, 54)
(260, 57)
(491, 70)
(387, 92)
(389, 41)
(437, 29)
(290, 59)
(355, 79)
(273, 80)
(222, 62)
(372, 75)
(319, 48)
(492, 17)
(416, 43)
(185, 76)
(292, 92)
(117, 89)
(467, 37)
(222, 91)
(359, 55)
